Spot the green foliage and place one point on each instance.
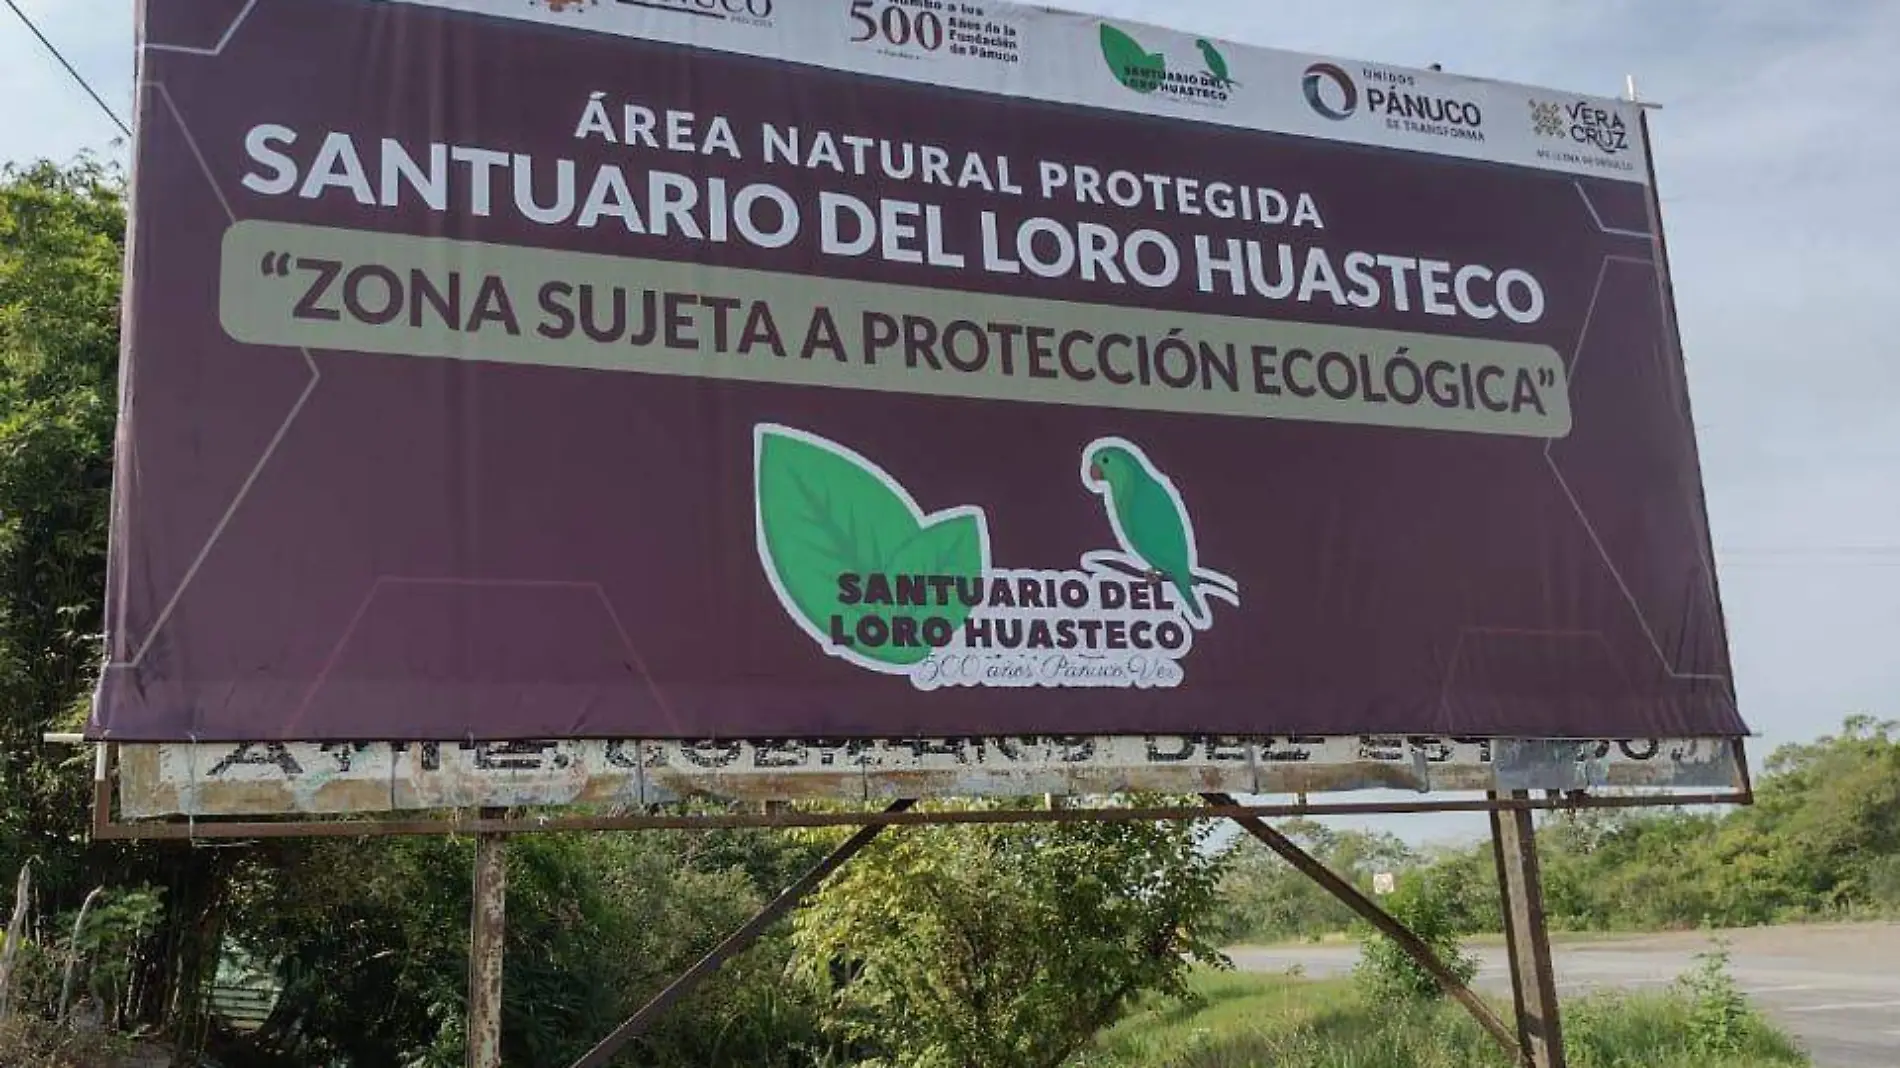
(62, 239)
(1719, 1016)
(1004, 946)
(108, 941)
(1822, 841)
(1386, 974)
(370, 944)
(1466, 882)
(1247, 1021)
(1264, 899)
(1671, 1029)
(26, 1042)
(62, 233)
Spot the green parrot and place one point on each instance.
(1148, 515)
(1216, 63)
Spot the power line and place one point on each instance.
(83, 84)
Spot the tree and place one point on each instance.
(1005, 946)
(1386, 972)
(1263, 898)
(62, 237)
(62, 243)
(369, 940)
(1822, 839)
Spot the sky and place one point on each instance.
(1777, 145)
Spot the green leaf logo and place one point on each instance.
(830, 520)
(1131, 64)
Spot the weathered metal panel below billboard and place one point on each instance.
(594, 369)
(263, 778)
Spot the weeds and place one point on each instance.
(1386, 972)
(1719, 1016)
(26, 1042)
(1254, 1020)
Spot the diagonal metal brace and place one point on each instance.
(1385, 922)
(736, 943)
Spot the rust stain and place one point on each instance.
(934, 782)
(757, 786)
(608, 787)
(142, 791)
(486, 938)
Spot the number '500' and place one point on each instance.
(897, 25)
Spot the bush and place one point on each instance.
(1265, 899)
(1883, 884)
(1006, 946)
(1385, 972)
(26, 1042)
(1719, 1015)
(1662, 1030)
(1250, 1021)
(596, 925)
(1820, 843)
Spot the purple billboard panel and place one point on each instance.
(611, 370)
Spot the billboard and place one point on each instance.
(750, 369)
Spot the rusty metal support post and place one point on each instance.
(1527, 938)
(736, 943)
(487, 935)
(1520, 1011)
(1385, 922)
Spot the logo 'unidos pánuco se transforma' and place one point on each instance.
(877, 581)
(1330, 91)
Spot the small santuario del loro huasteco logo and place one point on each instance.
(1205, 80)
(877, 581)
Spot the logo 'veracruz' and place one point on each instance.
(877, 581)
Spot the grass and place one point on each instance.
(1845, 916)
(1247, 1021)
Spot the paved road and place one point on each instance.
(1836, 988)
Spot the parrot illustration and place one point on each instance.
(1150, 519)
(1216, 63)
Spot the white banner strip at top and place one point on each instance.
(1072, 58)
